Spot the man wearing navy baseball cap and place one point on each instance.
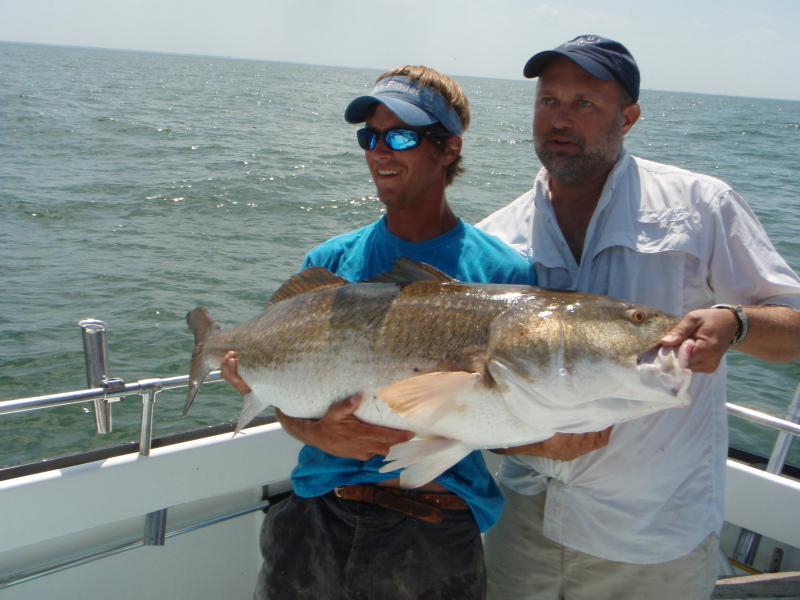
(640, 517)
(601, 58)
(348, 530)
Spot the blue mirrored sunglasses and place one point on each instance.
(396, 139)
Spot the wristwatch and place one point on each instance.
(744, 323)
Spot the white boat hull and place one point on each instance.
(50, 518)
(58, 516)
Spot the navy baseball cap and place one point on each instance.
(413, 103)
(598, 56)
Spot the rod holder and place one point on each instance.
(96, 353)
(150, 387)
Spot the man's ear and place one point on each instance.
(630, 114)
(452, 149)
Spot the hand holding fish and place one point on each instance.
(563, 446)
(341, 433)
(229, 371)
(704, 337)
(771, 335)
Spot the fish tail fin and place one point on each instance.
(202, 324)
(422, 460)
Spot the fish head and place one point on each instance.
(571, 350)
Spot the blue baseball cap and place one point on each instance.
(414, 104)
(598, 56)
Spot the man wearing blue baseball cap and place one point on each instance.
(348, 531)
(639, 518)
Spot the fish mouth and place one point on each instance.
(666, 369)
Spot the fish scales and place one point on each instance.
(433, 320)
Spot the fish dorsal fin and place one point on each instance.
(405, 271)
(307, 280)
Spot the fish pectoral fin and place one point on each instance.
(424, 459)
(427, 398)
(519, 395)
(253, 406)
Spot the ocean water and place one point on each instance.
(135, 186)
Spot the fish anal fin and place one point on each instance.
(427, 398)
(253, 406)
(307, 280)
(405, 271)
(422, 460)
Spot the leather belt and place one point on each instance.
(424, 506)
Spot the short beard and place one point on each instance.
(590, 163)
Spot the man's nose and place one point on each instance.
(562, 117)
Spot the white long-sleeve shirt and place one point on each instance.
(678, 241)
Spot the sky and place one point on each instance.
(724, 47)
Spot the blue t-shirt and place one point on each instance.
(465, 253)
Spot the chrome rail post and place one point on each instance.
(155, 523)
(747, 544)
(96, 353)
(149, 389)
(784, 441)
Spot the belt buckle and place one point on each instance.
(338, 491)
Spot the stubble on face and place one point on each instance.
(590, 162)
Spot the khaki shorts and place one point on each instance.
(522, 564)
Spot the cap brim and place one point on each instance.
(537, 63)
(408, 113)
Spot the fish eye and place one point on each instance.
(637, 316)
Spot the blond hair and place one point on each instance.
(451, 92)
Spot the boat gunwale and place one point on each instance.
(97, 454)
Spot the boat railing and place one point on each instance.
(104, 395)
(748, 542)
(103, 391)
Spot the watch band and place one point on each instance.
(744, 322)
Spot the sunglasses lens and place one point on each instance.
(396, 139)
(401, 139)
(367, 139)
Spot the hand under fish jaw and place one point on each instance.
(667, 368)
